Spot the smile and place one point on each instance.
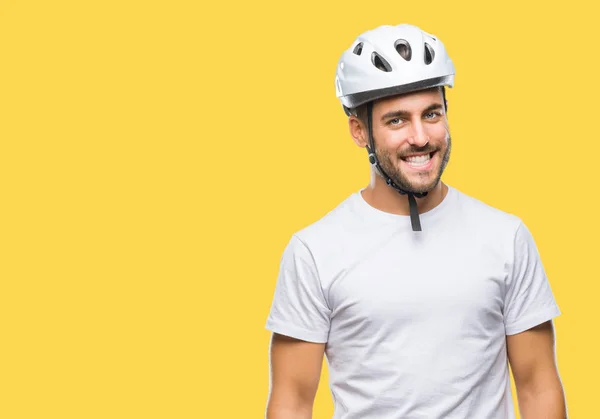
(419, 162)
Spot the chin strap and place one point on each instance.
(412, 202)
(414, 213)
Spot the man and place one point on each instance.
(419, 296)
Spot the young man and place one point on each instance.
(418, 295)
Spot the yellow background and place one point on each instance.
(157, 156)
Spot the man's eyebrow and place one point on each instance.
(434, 107)
(405, 114)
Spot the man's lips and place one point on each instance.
(419, 161)
(424, 153)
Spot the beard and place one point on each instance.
(400, 179)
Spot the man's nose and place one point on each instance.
(418, 135)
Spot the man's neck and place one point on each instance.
(383, 197)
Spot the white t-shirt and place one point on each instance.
(415, 322)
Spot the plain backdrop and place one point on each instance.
(157, 156)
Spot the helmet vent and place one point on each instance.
(358, 48)
(429, 54)
(380, 62)
(403, 48)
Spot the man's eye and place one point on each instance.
(432, 115)
(395, 121)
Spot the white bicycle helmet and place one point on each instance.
(391, 60)
(387, 61)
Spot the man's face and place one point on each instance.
(412, 139)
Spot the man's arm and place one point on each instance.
(533, 362)
(295, 374)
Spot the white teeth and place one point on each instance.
(418, 160)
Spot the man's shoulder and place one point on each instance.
(334, 223)
(482, 214)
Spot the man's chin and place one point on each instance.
(415, 183)
(420, 188)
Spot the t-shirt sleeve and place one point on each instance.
(529, 299)
(299, 308)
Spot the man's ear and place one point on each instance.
(358, 131)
